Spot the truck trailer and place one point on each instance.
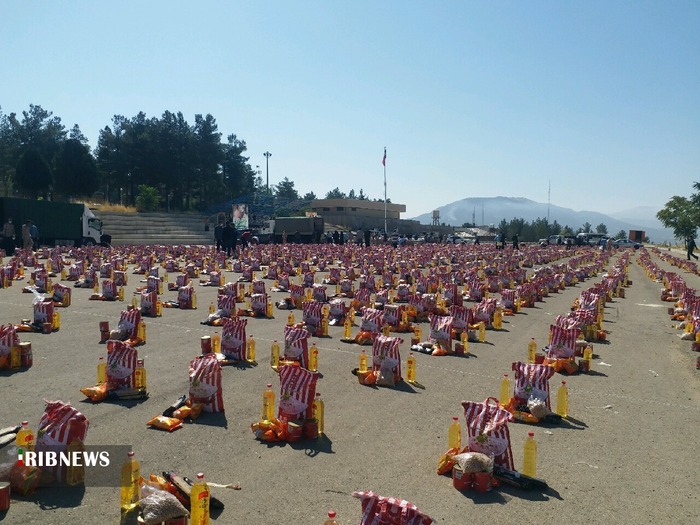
(309, 230)
(59, 223)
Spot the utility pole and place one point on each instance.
(267, 155)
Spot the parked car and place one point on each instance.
(455, 239)
(627, 243)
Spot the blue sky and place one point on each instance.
(470, 98)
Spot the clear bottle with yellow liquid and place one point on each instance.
(454, 435)
(464, 339)
(347, 328)
(275, 355)
(101, 371)
(563, 400)
(25, 437)
(318, 410)
(250, 350)
(313, 358)
(140, 374)
(411, 368)
(531, 350)
(482, 332)
(268, 404)
(363, 361)
(200, 498)
(130, 489)
(504, 395)
(530, 456)
(290, 319)
(498, 319)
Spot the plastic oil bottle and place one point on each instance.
(290, 319)
(140, 374)
(275, 355)
(25, 437)
(331, 518)
(75, 474)
(482, 332)
(15, 357)
(530, 456)
(454, 435)
(318, 409)
(363, 361)
(504, 396)
(411, 368)
(563, 400)
(498, 319)
(347, 328)
(268, 404)
(101, 371)
(130, 490)
(199, 502)
(531, 350)
(212, 309)
(588, 354)
(141, 331)
(464, 339)
(313, 358)
(250, 350)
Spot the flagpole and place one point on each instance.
(384, 163)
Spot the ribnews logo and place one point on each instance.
(91, 465)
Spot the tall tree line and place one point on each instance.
(188, 164)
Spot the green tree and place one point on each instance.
(680, 215)
(361, 196)
(335, 193)
(76, 171)
(33, 173)
(601, 228)
(285, 191)
(310, 196)
(586, 228)
(147, 199)
(351, 194)
(622, 234)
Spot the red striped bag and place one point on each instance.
(8, 339)
(106, 270)
(121, 364)
(386, 357)
(318, 293)
(227, 304)
(297, 393)
(43, 312)
(308, 280)
(380, 510)
(184, 297)
(372, 320)
(532, 380)
(62, 294)
(460, 317)
(59, 426)
(450, 292)
(258, 303)
(337, 309)
(153, 284)
(346, 287)
(109, 289)
(205, 383)
(296, 345)
(258, 286)
(129, 321)
(392, 314)
(148, 303)
(362, 297)
(272, 273)
(440, 330)
(563, 342)
(229, 289)
(247, 274)
(296, 292)
(182, 280)
(487, 430)
(233, 338)
(312, 313)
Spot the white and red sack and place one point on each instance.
(226, 304)
(372, 320)
(109, 289)
(386, 357)
(563, 342)
(258, 304)
(8, 340)
(182, 280)
(487, 430)
(318, 293)
(62, 294)
(258, 286)
(233, 338)
(43, 312)
(532, 381)
(440, 330)
(129, 322)
(392, 314)
(121, 364)
(153, 284)
(297, 393)
(205, 383)
(337, 309)
(312, 314)
(296, 345)
(380, 510)
(59, 426)
(184, 297)
(229, 289)
(148, 302)
(308, 281)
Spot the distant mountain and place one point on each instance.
(492, 210)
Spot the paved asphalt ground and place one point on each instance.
(628, 453)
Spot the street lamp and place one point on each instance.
(267, 170)
(121, 199)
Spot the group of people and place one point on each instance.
(226, 237)
(30, 236)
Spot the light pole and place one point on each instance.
(121, 199)
(267, 170)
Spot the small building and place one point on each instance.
(356, 213)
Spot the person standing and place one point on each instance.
(8, 237)
(690, 246)
(515, 242)
(368, 237)
(227, 237)
(27, 243)
(219, 236)
(34, 232)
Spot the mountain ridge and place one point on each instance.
(492, 210)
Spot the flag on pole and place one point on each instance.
(384, 159)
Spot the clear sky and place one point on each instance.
(471, 98)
